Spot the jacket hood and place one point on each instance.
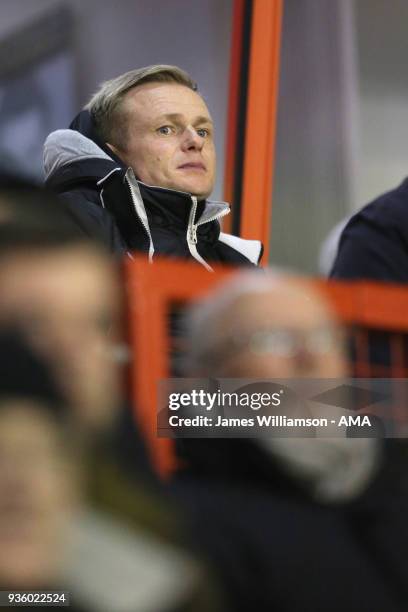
(64, 148)
(85, 125)
(77, 154)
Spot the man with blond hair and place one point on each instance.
(137, 168)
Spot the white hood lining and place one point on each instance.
(252, 249)
(63, 147)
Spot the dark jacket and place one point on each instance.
(374, 246)
(108, 202)
(275, 548)
(374, 243)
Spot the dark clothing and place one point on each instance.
(108, 202)
(94, 221)
(274, 548)
(374, 243)
(374, 246)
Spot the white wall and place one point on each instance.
(312, 183)
(382, 54)
(342, 118)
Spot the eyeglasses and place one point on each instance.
(284, 342)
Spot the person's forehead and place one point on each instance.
(153, 100)
(55, 262)
(62, 278)
(283, 306)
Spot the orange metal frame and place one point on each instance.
(152, 290)
(261, 121)
(260, 124)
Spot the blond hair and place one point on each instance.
(105, 105)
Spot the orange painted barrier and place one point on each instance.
(252, 110)
(154, 290)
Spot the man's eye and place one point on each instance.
(166, 130)
(203, 132)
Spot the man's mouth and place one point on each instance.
(193, 166)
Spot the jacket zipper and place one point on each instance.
(191, 229)
(145, 226)
(219, 215)
(192, 233)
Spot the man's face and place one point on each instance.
(170, 138)
(287, 332)
(37, 494)
(66, 300)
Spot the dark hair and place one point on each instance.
(24, 374)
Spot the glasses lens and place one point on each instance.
(282, 343)
(287, 342)
(320, 341)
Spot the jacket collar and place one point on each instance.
(169, 204)
(177, 205)
(146, 198)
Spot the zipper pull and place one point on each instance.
(193, 234)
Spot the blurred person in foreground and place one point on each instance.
(290, 524)
(51, 539)
(138, 166)
(64, 290)
(61, 289)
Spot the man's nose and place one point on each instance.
(305, 361)
(191, 140)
